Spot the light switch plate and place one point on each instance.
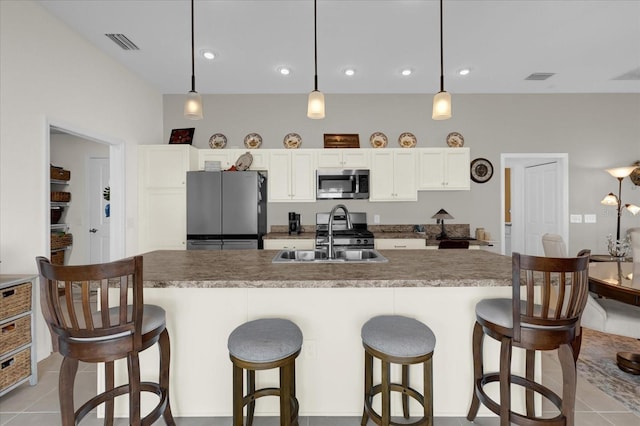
(590, 218)
(576, 218)
(376, 218)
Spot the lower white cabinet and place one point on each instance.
(400, 244)
(393, 175)
(290, 244)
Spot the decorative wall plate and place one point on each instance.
(407, 140)
(378, 140)
(635, 175)
(481, 170)
(292, 141)
(253, 141)
(455, 140)
(218, 141)
(244, 161)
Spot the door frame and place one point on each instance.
(117, 234)
(508, 160)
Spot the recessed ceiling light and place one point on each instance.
(406, 72)
(208, 54)
(349, 72)
(464, 71)
(284, 70)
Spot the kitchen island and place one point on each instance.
(208, 293)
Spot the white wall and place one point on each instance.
(48, 74)
(597, 132)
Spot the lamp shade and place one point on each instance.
(315, 108)
(441, 106)
(610, 200)
(621, 172)
(193, 106)
(442, 214)
(632, 208)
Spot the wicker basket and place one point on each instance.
(58, 173)
(63, 197)
(15, 334)
(15, 368)
(57, 257)
(60, 241)
(56, 214)
(15, 300)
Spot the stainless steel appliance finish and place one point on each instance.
(226, 210)
(358, 237)
(320, 256)
(335, 184)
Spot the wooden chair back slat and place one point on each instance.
(568, 275)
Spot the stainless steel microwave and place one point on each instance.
(333, 184)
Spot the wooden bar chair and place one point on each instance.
(529, 320)
(115, 326)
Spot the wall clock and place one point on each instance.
(481, 170)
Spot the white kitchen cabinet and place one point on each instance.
(162, 219)
(393, 175)
(343, 158)
(290, 243)
(400, 244)
(445, 169)
(291, 175)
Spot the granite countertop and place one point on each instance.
(253, 268)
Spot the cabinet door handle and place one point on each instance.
(93, 230)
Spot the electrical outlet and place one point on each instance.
(310, 349)
(376, 218)
(590, 218)
(575, 218)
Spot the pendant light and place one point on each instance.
(442, 100)
(193, 104)
(315, 107)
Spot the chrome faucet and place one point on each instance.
(331, 253)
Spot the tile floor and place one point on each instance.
(38, 405)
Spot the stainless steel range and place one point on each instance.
(356, 237)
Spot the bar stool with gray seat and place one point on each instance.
(264, 344)
(399, 340)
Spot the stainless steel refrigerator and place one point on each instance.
(226, 210)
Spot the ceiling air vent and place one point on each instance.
(539, 76)
(123, 41)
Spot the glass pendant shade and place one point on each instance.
(441, 106)
(315, 108)
(193, 106)
(621, 172)
(610, 200)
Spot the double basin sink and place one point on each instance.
(320, 256)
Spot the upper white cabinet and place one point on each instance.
(444, 169)
(393, 175)
(162, 197)
(343, 158)
(291, 175)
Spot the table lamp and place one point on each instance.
(440, 217)
(618, 247)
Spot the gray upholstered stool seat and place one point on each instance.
(260, 345)
(265, 340)
(400, 340)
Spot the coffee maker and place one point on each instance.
(294, 223)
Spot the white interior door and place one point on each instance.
(99, 210)
(541, 205)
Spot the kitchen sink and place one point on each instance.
(320, 256)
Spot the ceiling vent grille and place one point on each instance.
(539, 76)
(123, 41)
